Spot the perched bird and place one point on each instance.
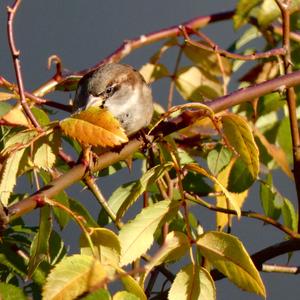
(120, 89)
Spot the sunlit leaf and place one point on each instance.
(72, 277)
(194, 84)
(229, 256)
(16, 116)
(153, 72)
(40, 115)
(96, 127)
(240, 136)
(137, 235)
(106, 246)
(124, 295)
(8, 175)
(6, 96)
(99, 294)
(140, 186)
(193, 282)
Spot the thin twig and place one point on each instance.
(248, 214)
(17, 64)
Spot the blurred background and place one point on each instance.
(82, 33)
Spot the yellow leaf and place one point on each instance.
(240, 137)
(72, 277)
(95, 127)
(16, 117)
(194, 84)
(6, 96)
(152, 72)
(228, 255)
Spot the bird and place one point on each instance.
(121, 90)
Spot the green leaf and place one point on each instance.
(106, 246)
(40, 116)
(193, 282)
(218, 159)
(240, 137)
(124, 295)
(99, 294)
(242, 13)
(11, 292)
(140, 186)
(137, 235)
(4, 108)
(39, 250)
(194, 84)
(72, 277)
(267, 198)
(240, 178)
(80, 210)
(229, 256)
(290, 217)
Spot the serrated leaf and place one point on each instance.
(228, 255)
(140, 186)
(39, 250)
(137, 235)
(193, 282)
(240, 136)
(96, 127)
(229, 196)
(217, 159)
(106, 246)
(152, 72)
(223, 219)
(8, 175)
(16, 116)
(11, 292)
(174, 247)
(45, 151)
(72, 277)
(194, 84)
(124, 295)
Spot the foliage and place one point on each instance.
(209, 149)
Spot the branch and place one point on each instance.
(284, 6)
(17, 64)
(129, 46)
(213, 47)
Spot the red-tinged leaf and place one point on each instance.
(95, 127)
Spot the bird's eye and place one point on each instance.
(109, 90)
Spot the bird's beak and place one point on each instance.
(93, 101)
